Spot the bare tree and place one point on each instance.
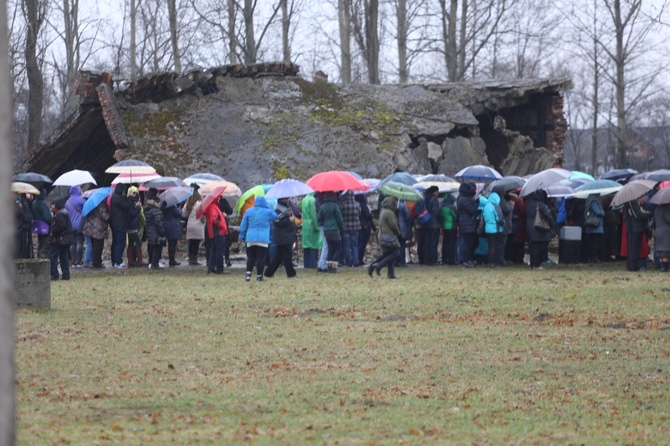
(34, 12)
(133, 39)
(174, 36)
(344, 21)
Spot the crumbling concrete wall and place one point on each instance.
(33, 284)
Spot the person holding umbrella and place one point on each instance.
(311, 234)
(217, 230)
(195, 227)
(135, 225)
(330, 218)
(95, 226)
(75, 206)
(173, 230)
(255, 233)
(120, 209)
(284, 235)
(467, 222)
(539, 238)
(154, 228)
(636, 219)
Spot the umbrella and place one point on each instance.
(577, 175)
(135, 178)
(373, 182)
(400, 177)
(479, 173)
(95, 198)
(618, 174)
(288, 188)
(163, 183)
(232, 190)
(559, 190)
(664, 184)
(543, 179)
(176, 195)
(656, 175)
(443, 186)
(400, 191)
(74, 178)
(661, 197)
(252, 193)
(202, 178)
(130, 166)
(599, 187)
(209, 199)
(504, 184)
(32, 177)
(336, 180)
(632, 191)
(439, 177)
(24, 188)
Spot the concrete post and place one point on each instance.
(7, 241)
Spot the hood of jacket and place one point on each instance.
(467, 189)
(75, 191)
(42, 196)
(390, 203)
(494, 198)
(261, 202)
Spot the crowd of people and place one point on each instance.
(467, 228)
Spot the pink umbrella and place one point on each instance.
(135, 178)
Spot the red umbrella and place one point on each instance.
(209, 199)
(335, 180)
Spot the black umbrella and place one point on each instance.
(621, 175)
(32, 177)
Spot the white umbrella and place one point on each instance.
(632, 191)
(75, 178)
(135, 178)
(542, 180)
(130, 166)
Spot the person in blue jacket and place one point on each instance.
(255, 233)
(173, 230)
(593, 235)
(75, 206)
(494, 223)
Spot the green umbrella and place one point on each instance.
(254, 191)
(400, 191)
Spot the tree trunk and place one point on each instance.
(71, 22)
(372, 40)
(620, 90)
(344, 20)
(34, 20)
(401, 16)
(285, 30)
(250, 43)
(174, 38)
(232, 33)
(133, 40)
(595, 99)
(7, 241)
(449, 38)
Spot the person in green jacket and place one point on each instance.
(449, 229)
(42, 213)
(330, 218)
(311, 234)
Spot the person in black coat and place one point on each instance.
(467, 208)
(538, 238)
(430, 231)
(120, 211)
(227, 211)
(367, 226)
(153, 228)
(173, 230)
(637, 222)
(284, 235)
(62, 237)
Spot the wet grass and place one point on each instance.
(573, 355)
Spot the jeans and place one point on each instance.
(88, 251)
(324, 252)
(60, 254)
(310, 257)
(118, 244)
(350, 247)
(430, 239)
(388, 258)
(77, 249)
(215, 261)
(466, 246)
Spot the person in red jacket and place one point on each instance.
(217, 230)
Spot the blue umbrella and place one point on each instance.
(618, 175)
(288, 188)
(400, 177)
(479, 173)
(95, 199)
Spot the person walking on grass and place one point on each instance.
(311, 234)
(217, 230)
(195, 227)
(255, 233)
(284, 235)
(330, 218)
(388, 226)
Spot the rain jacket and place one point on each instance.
(449, 214)
(467, 208)
(388, 221)
(257, 222)
(120, 205)
(195, 227)
(494, 222)
(74, 206)
(662, 234)
(285, 230)
(330, 216)
(593, 206)
(154, 221)
(41, 210)
(215, 221)
(537, 203)
(96, 222)
(172, 223)
(311, 234)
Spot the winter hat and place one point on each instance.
(432, 189)
(59, 203)
(132, 190)
(153, 193)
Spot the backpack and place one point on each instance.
(421, 210)
(500, 218)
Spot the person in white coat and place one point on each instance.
(195, 227)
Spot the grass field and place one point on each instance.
(570, 355)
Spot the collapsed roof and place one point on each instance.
(259, 123)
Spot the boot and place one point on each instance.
(259, 277)
(247, 277)
(193, 260)
(665, 267)
(138, 257)
(130, 253)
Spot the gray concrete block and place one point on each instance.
(33, 284)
